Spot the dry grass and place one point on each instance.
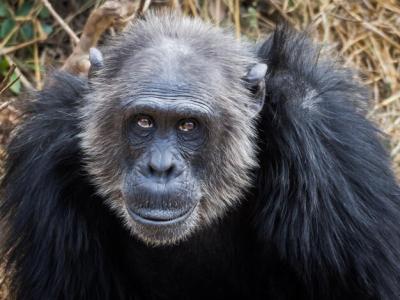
(366, 34)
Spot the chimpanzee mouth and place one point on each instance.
(159, 217)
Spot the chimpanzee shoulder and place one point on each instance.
(328, 198)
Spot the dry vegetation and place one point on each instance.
(365, 34)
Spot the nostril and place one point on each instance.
(152, 170)
(170, 171)
(161, 171)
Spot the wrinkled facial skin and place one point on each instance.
(161, 190)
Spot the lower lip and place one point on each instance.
(146, 221)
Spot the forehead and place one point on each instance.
(176, 60)
(173, 63)
(171, 101)
(173, 108)
(173, 72)
(177, 49)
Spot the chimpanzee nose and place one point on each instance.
(164, 170)
(162, 164)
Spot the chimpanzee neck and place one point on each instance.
(222, 259)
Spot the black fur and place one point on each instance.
(321, 222)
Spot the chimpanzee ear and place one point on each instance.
(255, 82)
(96, 60)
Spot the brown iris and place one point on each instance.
(145, 122)
(187, 125)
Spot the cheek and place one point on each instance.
(137, 151)
(194, 153)
(202, 158)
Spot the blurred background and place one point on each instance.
(38, 35)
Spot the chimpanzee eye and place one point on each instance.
(187, 125)
(144, 122)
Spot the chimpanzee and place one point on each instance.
(191, 165)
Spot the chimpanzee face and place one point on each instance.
(169, 126)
